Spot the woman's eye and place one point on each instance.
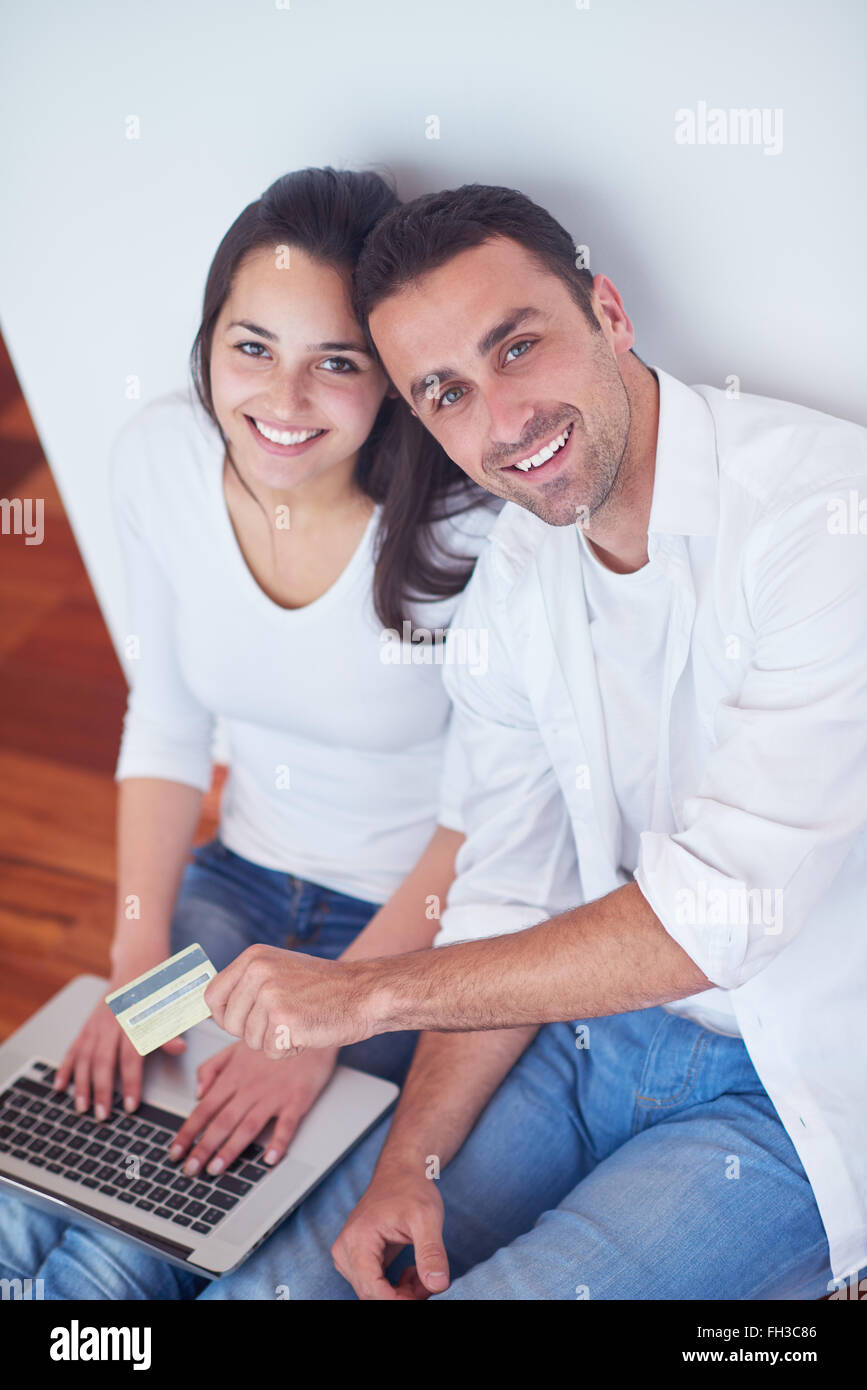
(444, 395)
(257, 349)
(344, 363)
(515, 346)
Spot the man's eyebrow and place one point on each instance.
(502, 330)
(495, 335)
(310, 347)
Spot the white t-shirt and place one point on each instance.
(335, 751)
(629, 615)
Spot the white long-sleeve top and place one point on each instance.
(758, 522)
(335, 748)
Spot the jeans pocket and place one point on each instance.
(671, 1069)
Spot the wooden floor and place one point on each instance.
(62, 697)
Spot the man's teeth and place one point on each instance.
(285, 436)
(546, 452)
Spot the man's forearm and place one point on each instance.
(451, 1080)
(610, 956)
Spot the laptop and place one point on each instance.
(116, 1174)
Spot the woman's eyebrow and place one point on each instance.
(253, 328)
(338, 347)
(311, 347)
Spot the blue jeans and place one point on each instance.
(649, 1165)
(225, 903)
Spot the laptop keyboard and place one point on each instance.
(125, 1156)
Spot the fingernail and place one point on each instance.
(271, 1156)
(192, 1165)
(129, 1102)
(176, 1150)
(216, 1165)
(80, 1104)
(99, 1111)
(439, 1275)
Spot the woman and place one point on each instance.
(278, 530)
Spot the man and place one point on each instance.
(666, 852)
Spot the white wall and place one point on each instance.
(729, 260)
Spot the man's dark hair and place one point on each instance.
(423, 235)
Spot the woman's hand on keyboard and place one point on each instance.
(100, 1050)
(241, 1091)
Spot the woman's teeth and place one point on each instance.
(285, 436)
(546, 452)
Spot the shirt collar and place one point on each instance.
(685, 500)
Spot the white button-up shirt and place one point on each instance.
(755, 858)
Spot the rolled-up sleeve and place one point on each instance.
(517, 865)
(167, 732)
(783, 796)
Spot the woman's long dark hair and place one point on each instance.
(328, 213)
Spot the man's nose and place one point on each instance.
(510, 418)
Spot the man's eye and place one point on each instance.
(444, 395)
(257, 349)
(515, 346)
(344, 361)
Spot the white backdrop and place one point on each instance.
(732, 258)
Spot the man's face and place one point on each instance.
(501, 366)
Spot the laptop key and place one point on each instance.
(55, 1152)
(53, 1168)
(106, 1173)
(194, 1208)
(164, 1211)
(159, 1194)
(252, 1173)
(143, 1131)
(212, 1215)
(36, 1161)
(223, 1200)
(76, 1141)
(86, 1126)
(183, 1182)
(37, 1145)
(181, 1220)
(176, 1201)
(108, 1190)
(141, 1188)
(36, 1107)
(19, 1153)
(125, 1197)
(32, 1088)
(113, 1155)
(88, 1165)
(26, 1121)
(161, 1136)
(95, 1150)
(147, 1170)
(236, 1185)
(89, 1182)
(138, 1146)
(126, 1123)
(200, 1190)
(144, 1205)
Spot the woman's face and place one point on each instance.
(294, 388)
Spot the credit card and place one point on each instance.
(165, 1001)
